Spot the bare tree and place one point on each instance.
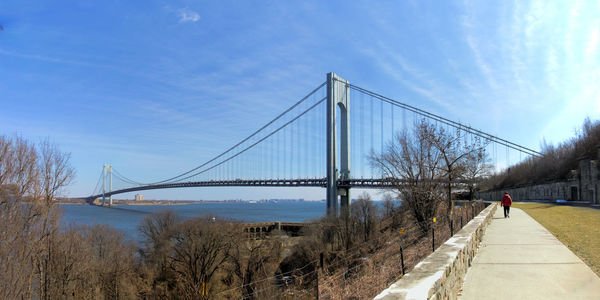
(55, 171)
(25, 169)
(19, 236)
(69, 267)
(389, 206)
(158, 230)
(477, 169)
(20, 222)
(365, 214)
(200, 249)
(454, 150)
(28, 223)
(556, 162)
(253, 260)
(391, 210)
(111, 261)
(6, 160)
(416, 161)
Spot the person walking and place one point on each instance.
(506, 203)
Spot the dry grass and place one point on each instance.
(377, 269)
(576, 227)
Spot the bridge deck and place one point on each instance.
(366, 183)
(317, 182)
(520, 259)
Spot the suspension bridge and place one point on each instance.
(312, 144)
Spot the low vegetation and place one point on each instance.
(351, 256)
(576, 227)
(556, 162)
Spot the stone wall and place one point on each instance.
(583, 185)
(440, 275)
(549, 191)
(589, 181)
(576, 190)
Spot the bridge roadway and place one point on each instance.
(371, 183)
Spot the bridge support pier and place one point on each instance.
(106, 169)
(338, 95)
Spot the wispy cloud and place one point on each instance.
(49, 59)
(187, 15)
(63, 61)
(469, 28)
(592, 45)
(409, 75)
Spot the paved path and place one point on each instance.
(520, 259)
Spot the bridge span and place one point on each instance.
(326, 140)
(370, 183)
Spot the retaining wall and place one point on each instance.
(440, 275)
(548, 191)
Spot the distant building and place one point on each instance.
(139, 197)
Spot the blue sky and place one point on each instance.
(157, 87)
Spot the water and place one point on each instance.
(128, 217)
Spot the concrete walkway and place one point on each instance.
(520, 259)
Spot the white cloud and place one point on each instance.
(592, 44)
(552, 68)
(188, 15)
(481, 62)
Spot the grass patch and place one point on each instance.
(576, 227)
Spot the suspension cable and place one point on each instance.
(254, 144)
(241, 142)
(448, 121)
(125, 179)
(97, 183)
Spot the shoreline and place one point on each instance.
(136, 203)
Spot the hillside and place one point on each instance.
(556, 162)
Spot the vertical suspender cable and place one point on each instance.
(381, 125)
(291, 149)
(272, 157)
(313, 140)
(507, 157)
(393, 127)
(323, 148)
(285, 129)
(352, 138)
(305, 148)
(278, 153)
(371, 113)
(362, 135)
(403, 119)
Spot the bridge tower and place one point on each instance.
(106, 169)
(338, 95)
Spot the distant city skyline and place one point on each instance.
(155, 88)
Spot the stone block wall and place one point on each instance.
(589, 179)
(582, 185)
(440, 275)
(548, 191)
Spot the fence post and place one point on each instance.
(461, 217)
(319, 271)
(401, 252)
(451, 222)
(433, 235)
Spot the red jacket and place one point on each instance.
(506, 200)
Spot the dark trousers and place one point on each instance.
(506, 211)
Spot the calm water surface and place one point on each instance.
(127, 217)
